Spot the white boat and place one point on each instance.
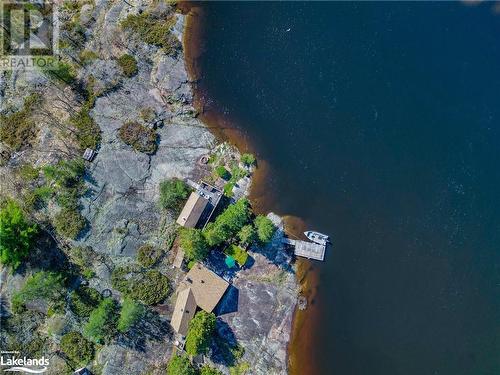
(317, 237)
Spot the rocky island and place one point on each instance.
(98, 160)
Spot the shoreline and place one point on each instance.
(226, 130)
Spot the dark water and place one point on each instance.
(381, 125)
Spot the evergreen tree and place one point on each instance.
(16, 235)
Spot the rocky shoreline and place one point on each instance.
(120, 203)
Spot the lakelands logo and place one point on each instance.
(15, 363)
(29, 32)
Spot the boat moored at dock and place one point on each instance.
(317, 237)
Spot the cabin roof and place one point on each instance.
(192, 211)
(208, 288)
(185, 308)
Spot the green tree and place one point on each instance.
(16, 235)
(40, 285)
(172, 192)
(69, 222)
(248, 159)
(207, 370)
(78, 349)
(194, 244)
(229, 223)
(247, 234)
(180, 365)
(84, 300)
(130, 313)
(265, 228)
(201, 328)
(222, 172)
(101, 326)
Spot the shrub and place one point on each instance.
(34, 198)
(229, 223)
(200, 331)
(101, 326)
(180, 365)
(265, 228)
(248, 159)
(69, 223)
(150, 287)
(18, 129)
(148, 255)
(239, 254)
(130, 313)
(41, 285)
(194, 244)
(66, 180)
(128, 65)
(16, 235)
(222, 172)
(78, 349)
(88, 132)
(207, 370)
(173, 192)
(153, 30)
(247, 234)
(240, 369)
(28, 172)
(139, 137)
(122, 277)
(84, 300)
(63, 72)
(87, 56)
(228, 189)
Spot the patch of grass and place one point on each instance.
(18, 129)
(69, 222)
(154, 30)
(128, 65)
(79, 350)
(148, 255)
(240, 255)
(84, 300)
(139, 137)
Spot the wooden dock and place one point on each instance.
(306, 249)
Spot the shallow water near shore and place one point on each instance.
(379, 124)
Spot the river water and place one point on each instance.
(379, 124)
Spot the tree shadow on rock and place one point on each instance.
(152, 327)
(224, 347)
